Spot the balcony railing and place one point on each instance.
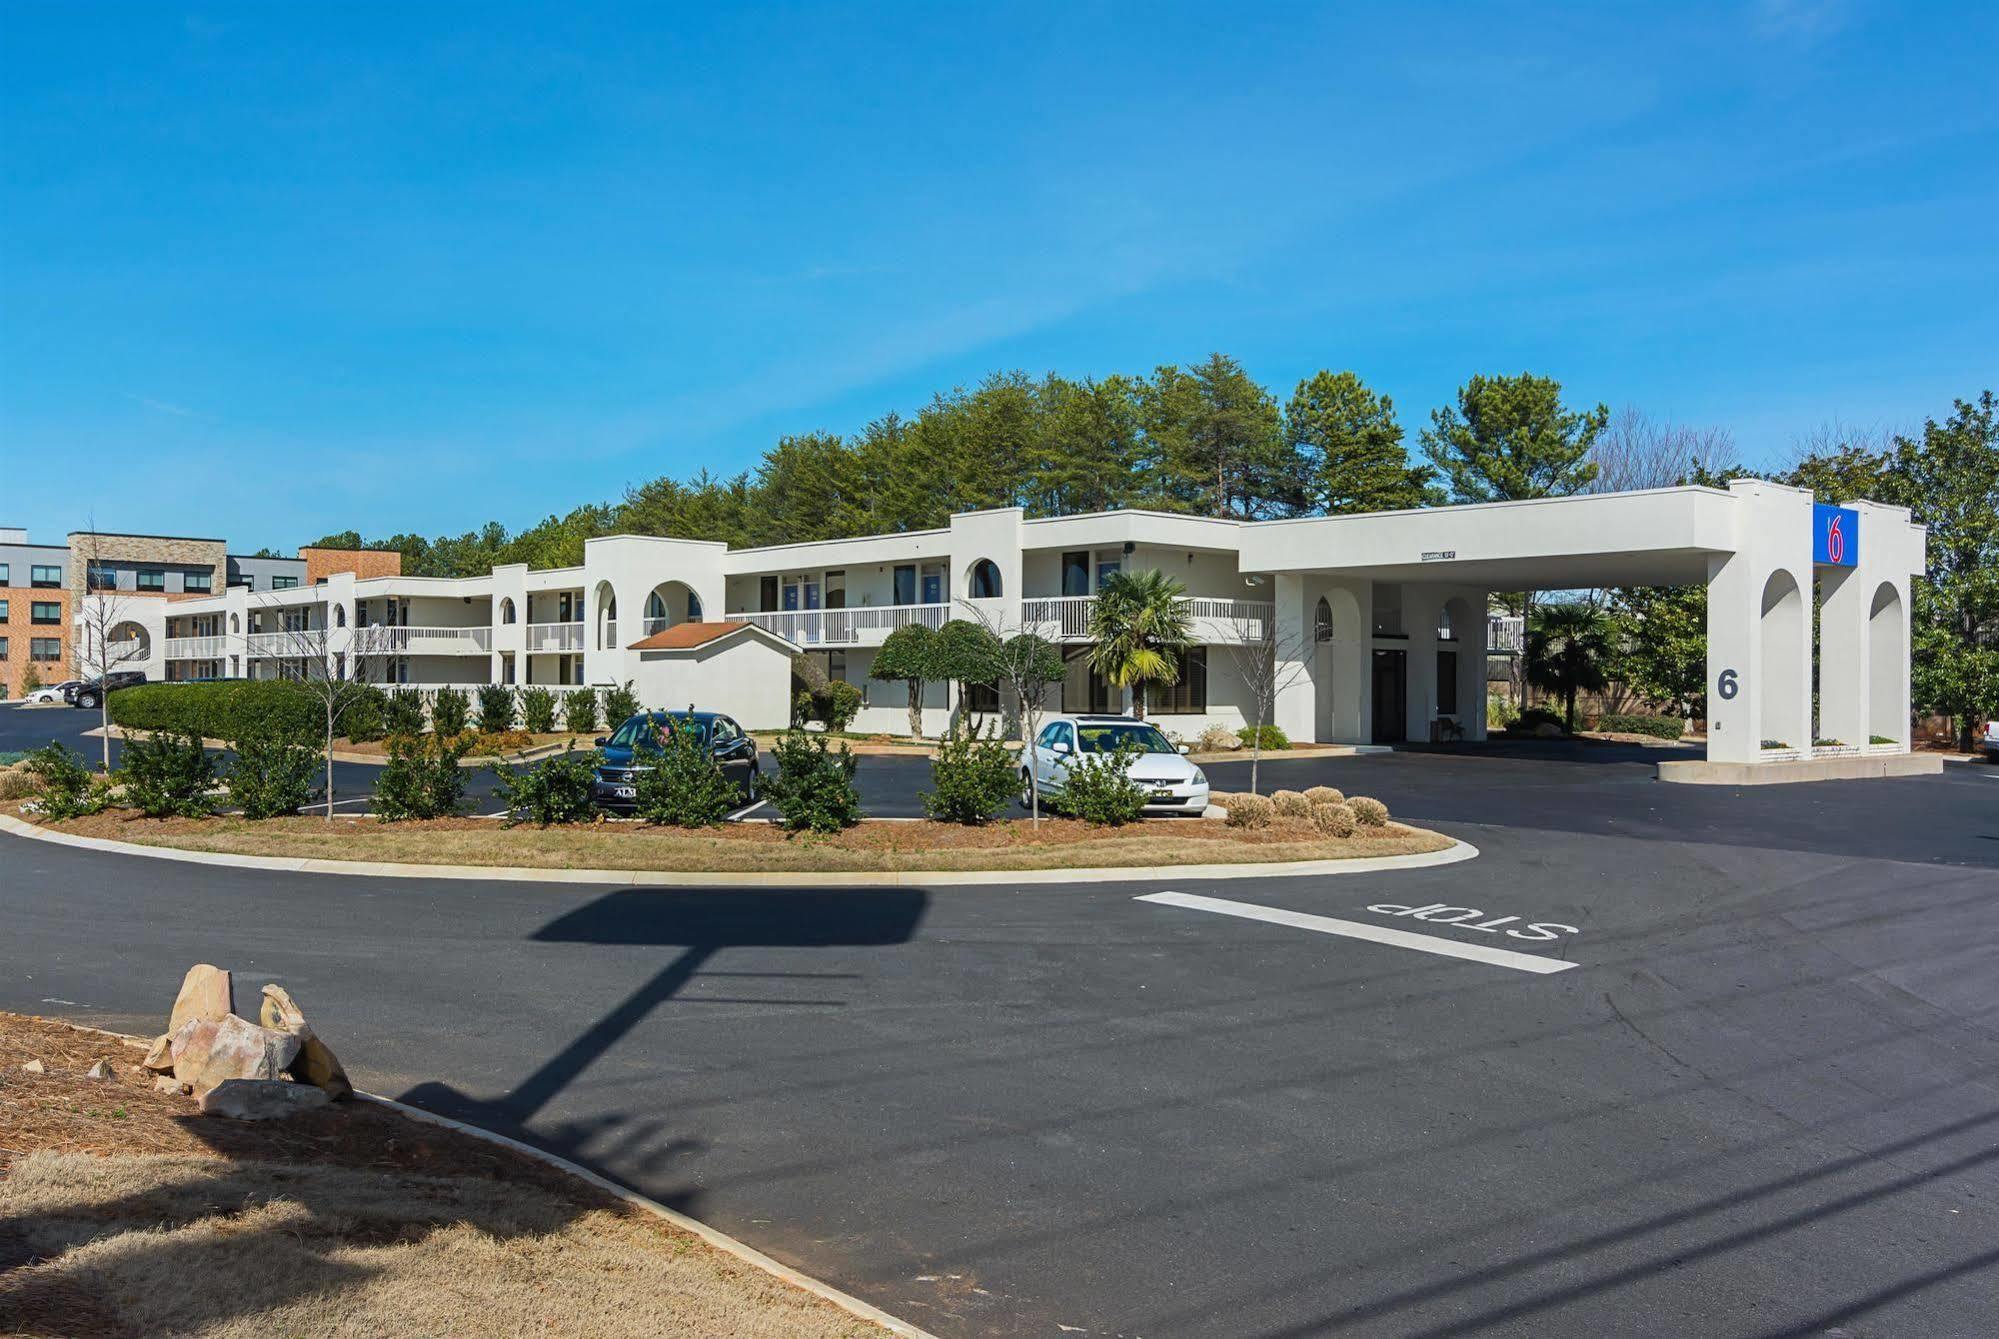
(197, 648)
(285, 645)
(862, 625)
(554, 637)
(1505, 634)
(383, 640)
(1066, 618)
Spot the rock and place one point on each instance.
(316, 1064)
(160, 1059)
(101, 1070)
(206, 1053)
(205, 993)
(167, 1083)
(35, 1067)
(261, 1099)
(1547, 730)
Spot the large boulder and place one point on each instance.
(316, 1064)
(205, 994)
(206, 1054)
(261, 1099)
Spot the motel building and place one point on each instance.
(1377, 623)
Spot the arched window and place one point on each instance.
(985, 580)
(693, 607)
(1322, 622)
(655, 607)
(1445, 631)
(339, 615)
(506, 610)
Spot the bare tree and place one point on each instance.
(102, 612)
(1637, 451)
(1027, 664)
(1269, 663)
(334, 673)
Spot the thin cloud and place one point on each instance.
(165, 407)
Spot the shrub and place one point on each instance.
(68, 788)
(803, 708)
(1335, 820)
(273, 776)
(537, 710)
(1881, 739)
(620, 705)
(684, 788)
(497, 744)
(813, 790)
(167, 775)
(1218, 739)
(18, 783)
(1367, 812)
(1658, 727)
(579, 710)
(554, 790)
(838, 704)
(402, 713)
(422, 779)
(972, 780)
(1499, 714)
(1250, 811)
(364, 718)
(1291, 804)
(1533, 718)
(450, 710)
(1097, 788)
(1325, 795)
(224, 710)
(496, 708)
(1272, 737)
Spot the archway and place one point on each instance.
(984, 583)
(127, 642)
(1461, 653)
(671, 602)
(1339, 668)
(606, 617)
(1887, 666)
(339, 615)
(506, 609)
(1784, 708)
(235, 624)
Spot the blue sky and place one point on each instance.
(267, 272)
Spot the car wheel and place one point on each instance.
(752, 786)
(87, 701)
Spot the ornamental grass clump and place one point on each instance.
(1335, 820)
(1369, 813)
(1319, 795)
(1291, 804)
(1251, 811)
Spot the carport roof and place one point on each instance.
(687, 636)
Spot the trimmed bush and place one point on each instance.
(496, 709)
(1291, 804)
(1658, 727)
(813, 790)
(838, 704)
(1369, 813)
(554, 790)
(1335, 820)
(450, 712)
(274, 776)
(579, 710)
(229, 710)
(1250, 811)
(402, 713)
(684, 788)
(69, 790)
(1218, 739)
(537, 710)
(972, 780)
(1097, 788)
(1325, 795)
(422, 779)
(1272, 737)
(620, 705)
(167, 775)
(364, 718)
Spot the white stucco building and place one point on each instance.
(1379, 621)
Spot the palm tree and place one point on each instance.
(1140, 628)
(1568, 646)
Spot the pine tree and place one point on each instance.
(1354, 444)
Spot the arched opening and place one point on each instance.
(126, 642)
(1783, 704)
(235, 624)
(985, 580)
(1460, 667)
(671, 602)
(339, 615)
(506, 609)
(606, 617)
(1322, 622)
(1887, 667)
(1339, 667)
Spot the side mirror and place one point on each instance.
(1060, 746)
(1185, 749)
(600, 741)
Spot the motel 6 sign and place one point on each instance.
(1835, 536)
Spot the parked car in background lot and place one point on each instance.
(1990, 740)
(622, 756)
(1173, 784)
(55, 692)
(91, 694)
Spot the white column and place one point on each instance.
(1759, 622)
(1843, 655)
(1296, 709)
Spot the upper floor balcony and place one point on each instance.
(864, 625)
(1216, 621)
(557, 637)
(197, 648)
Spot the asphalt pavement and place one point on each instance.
(1761, 1101)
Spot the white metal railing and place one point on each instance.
(383, 640)
(554, 637)
(652, 625)
(285, 645)
(611, 634)
(844, 627)
(197, 648)
(1066, 618)
(1506, 633)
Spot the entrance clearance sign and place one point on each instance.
(1835, 535)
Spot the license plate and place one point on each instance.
(624, 792)
(1162, 794)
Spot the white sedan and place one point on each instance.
(1173, 784)
(49, 693)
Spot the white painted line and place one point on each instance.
(1378, 934)
(746, 809)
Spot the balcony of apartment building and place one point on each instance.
(843, 607)
(1063, 589)
(553, 635)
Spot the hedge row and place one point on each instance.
(233, 710)
(1660, 727)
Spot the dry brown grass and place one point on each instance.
(873, 847)
(123, 1213)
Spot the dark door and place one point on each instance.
(1391, 697)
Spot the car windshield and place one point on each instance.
(638, 731)
(1111, 738)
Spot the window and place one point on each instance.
(6, 576)
(45, 648)
(284, 583)
(1190, 694)
(767, 594)
(152, 578)
(44, 577)
(3, 648)
(506, 611)
(1049, 734)
(985, 580)
(1447, 683)
(3, 611)
(693, 607)
(836, 591)
(43, 611)
(905, 585)
(1108, 568)
(1076, 573)
(982, 697)
(836, 666)
(198, 583)
(100, 578)
(1110, 738)
(933, 585)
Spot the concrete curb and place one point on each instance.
(1847, 767)
(645, 878)
(715, 1237)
